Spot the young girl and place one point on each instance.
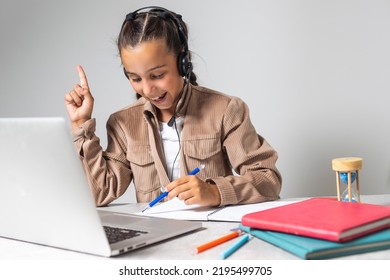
(173, 127)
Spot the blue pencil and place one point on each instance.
(164, 194)
(234, 247)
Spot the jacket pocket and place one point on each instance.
(205, 149)
(140, 155)
(145, 176)
(202, 146)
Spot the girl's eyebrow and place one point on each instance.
(156, 67)
(151, 69)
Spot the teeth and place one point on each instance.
(158, 98)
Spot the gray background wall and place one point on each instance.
(315, 74)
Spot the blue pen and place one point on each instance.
(164, 194)
(235, 247)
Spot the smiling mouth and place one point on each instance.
(157, 99)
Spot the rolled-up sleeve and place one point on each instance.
(251, 157)
(108, 172)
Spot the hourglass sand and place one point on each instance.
(347, 171)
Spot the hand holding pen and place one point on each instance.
(192, 190)
(164, 194)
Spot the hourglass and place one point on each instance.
(347, 171)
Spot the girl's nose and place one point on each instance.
(147, 88)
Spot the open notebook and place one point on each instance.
(176, 209)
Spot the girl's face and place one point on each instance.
(153, 74)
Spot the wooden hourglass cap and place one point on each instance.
(346, 164)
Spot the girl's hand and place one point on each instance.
(79, 101)
(194, 191)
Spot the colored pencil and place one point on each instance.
(217, 241)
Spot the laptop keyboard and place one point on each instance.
(119, 234)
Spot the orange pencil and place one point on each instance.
(217, 241)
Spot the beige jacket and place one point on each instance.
(217, 131)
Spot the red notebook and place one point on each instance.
(322, 218)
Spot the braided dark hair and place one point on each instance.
(150, 25)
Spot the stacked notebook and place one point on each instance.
(322, 228)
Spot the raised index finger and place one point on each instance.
(82, 76)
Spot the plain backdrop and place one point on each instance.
(315, 74)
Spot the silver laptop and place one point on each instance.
(45, 198)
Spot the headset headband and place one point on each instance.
(184, 63)
(166, 14)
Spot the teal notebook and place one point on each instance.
(316, 249)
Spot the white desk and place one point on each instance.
(180, 248)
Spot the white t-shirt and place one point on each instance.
(171, 145)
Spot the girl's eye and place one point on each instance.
(158, 76)
(136, 80)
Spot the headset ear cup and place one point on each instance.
(184, 65)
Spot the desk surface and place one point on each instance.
(181, 247)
